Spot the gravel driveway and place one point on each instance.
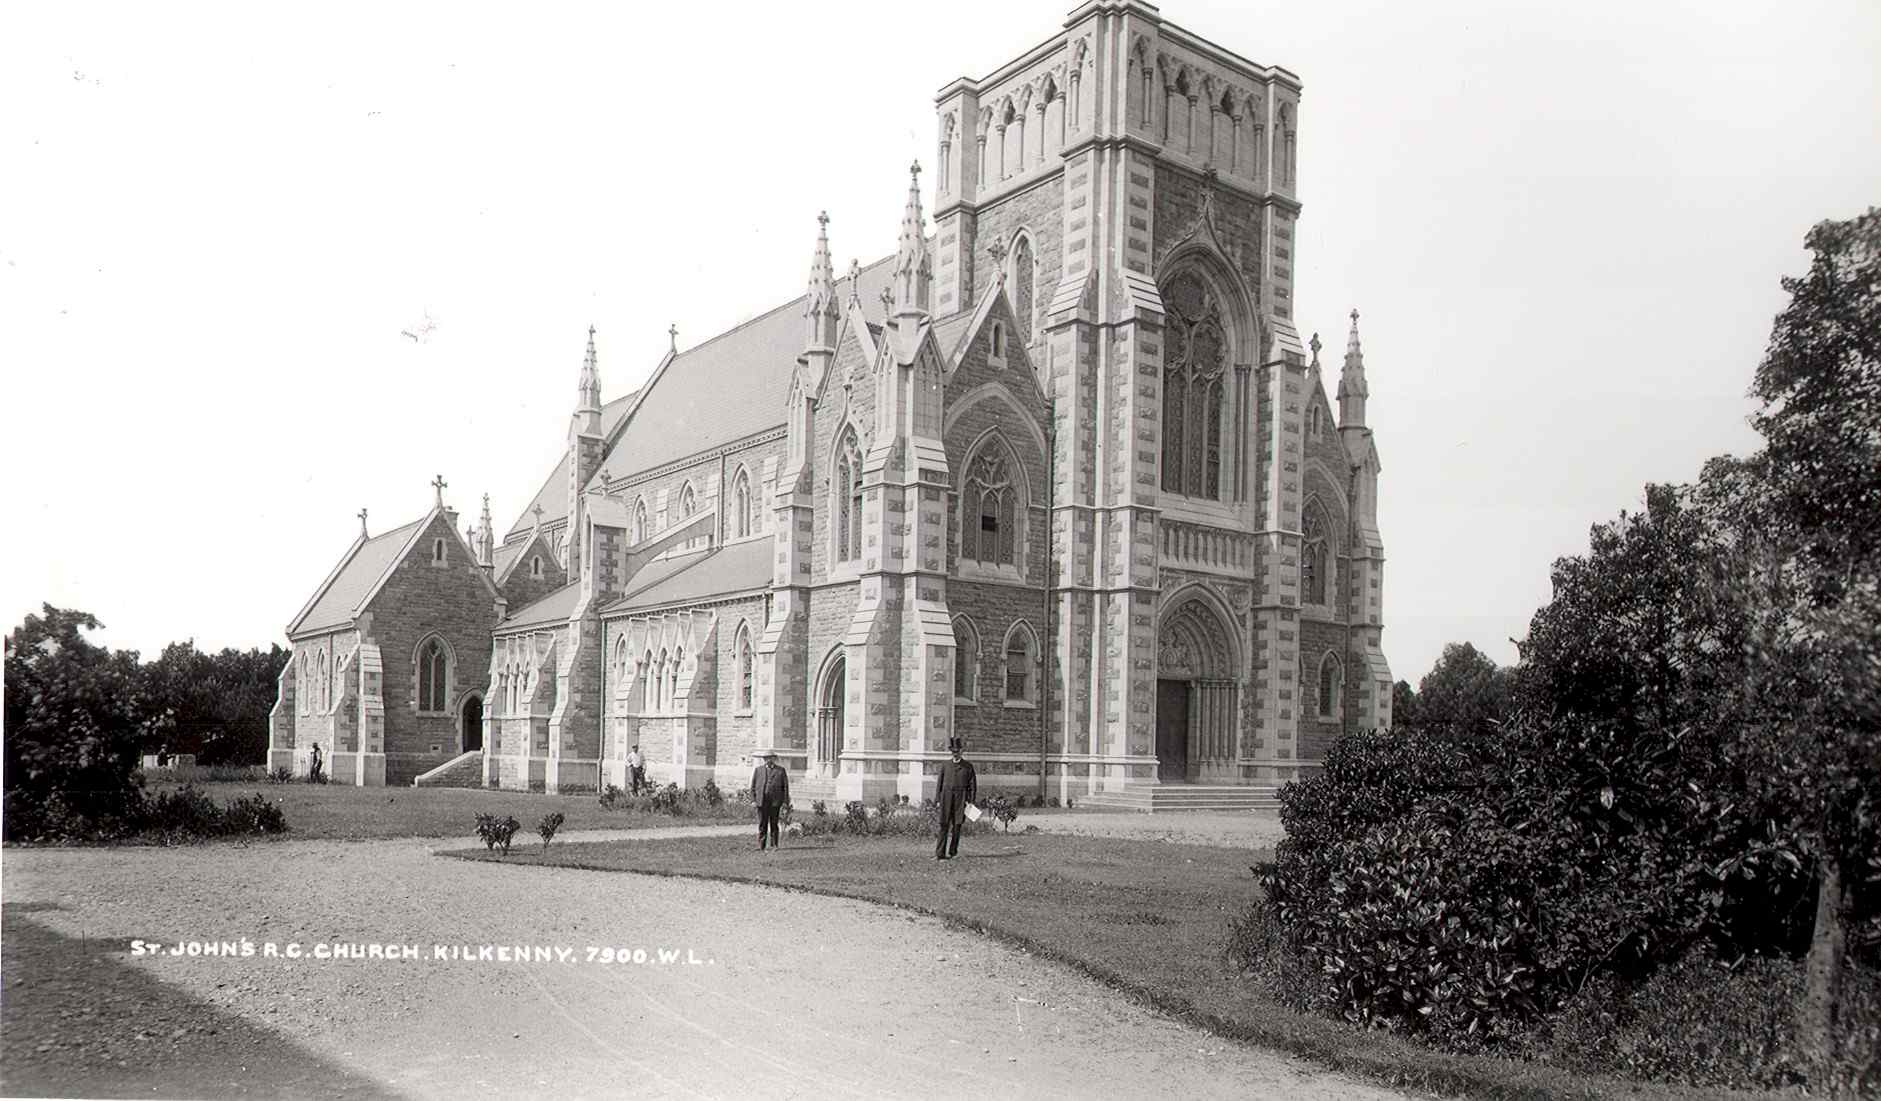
(794, 995)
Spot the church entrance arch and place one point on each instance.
(472, 732)
(1196, 691)
(829, 719)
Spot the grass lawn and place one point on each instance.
(333, 811)
(1148, 918)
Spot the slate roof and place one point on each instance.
(740, 567)
(556, 607)
(729, 387)
(504, 555)
(354, 580)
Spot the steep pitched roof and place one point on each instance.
(553, 496)
(734, 568)
(556, 607)
(337, 601)
(729, 387)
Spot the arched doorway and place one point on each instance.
(829, 719)
(473, 724)
(1196, 692)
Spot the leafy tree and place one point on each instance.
(1808, 514)
(76, 716)
(220, 702)
(1464, 689)
(1403, 705)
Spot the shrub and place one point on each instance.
(819, 809)
(712, 796)
(547, 827)
(668, 800)
(855, 816)
(612, 797)
(253, 814)
(184, 812)
(1052, 802)
(1001, 810)
(282, 775)
(494, 831)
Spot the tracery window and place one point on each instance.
(1194, 382)
(433, 670)
(966, 660)
(1021, 658)
(989, 516)
(847, 486)
(1315, 559)
(744, 668)
(741, 517)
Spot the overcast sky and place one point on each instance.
(1563, 226)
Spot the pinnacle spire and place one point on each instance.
(590, 384)
(914, 271)
(820, 305)
(1352, 388)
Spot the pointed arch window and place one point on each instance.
(437, 552)
(672, 687)
(1315, 557)
(989, 500)
(741, 515)
(1021, 665)
(847, 485)
(535, 567)
(433, 675)
(966, 661)
(1024, 278)
(1195, 355)
(1328, 694)
(649, 695)
(746, 668)
(640, 521)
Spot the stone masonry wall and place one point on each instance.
(418, 600)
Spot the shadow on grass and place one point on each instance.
(76, 1020)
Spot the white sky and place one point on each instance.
(1563, 226)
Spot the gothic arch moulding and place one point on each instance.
(1195, 637)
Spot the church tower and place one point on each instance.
(1135, 187)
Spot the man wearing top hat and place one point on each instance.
(770, 789)
(957, 788)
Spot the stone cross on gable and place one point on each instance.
(438, 483)
(362, 522)
(672, 333)
(538, 513)
(888, 300)
(914, 170)
(998, 251)
(822, 218)
(1315, 345)
(1355, 315)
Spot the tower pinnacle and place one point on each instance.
(1352, 388)
(590, 384)
(820, 307)
(914, 271)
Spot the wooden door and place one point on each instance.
(1172, 730)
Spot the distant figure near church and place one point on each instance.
(958, 786)
(770, 789)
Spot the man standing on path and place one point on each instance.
(770, 788)
(957, 788)
(636, 770)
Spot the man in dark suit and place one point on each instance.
(770, 789)
(957, 788)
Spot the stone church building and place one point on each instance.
(1058, 477)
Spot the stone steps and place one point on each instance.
(463, 771)
(1159, 798)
